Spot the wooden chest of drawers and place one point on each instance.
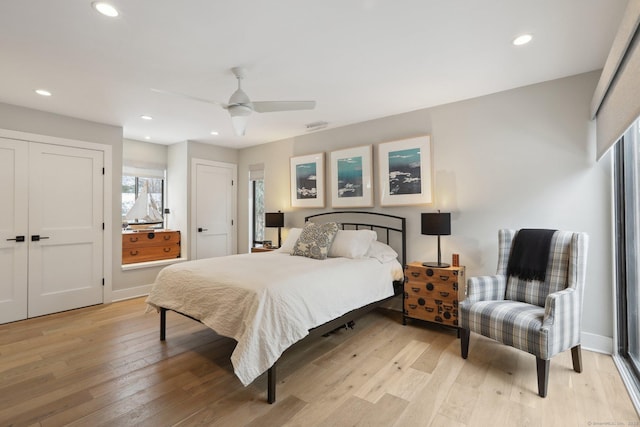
(141, 246)
(432, 293)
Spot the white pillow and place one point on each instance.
(290, 240)
(352, 243)
(381, 252)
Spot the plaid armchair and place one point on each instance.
(541, 318)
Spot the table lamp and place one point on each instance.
(275, 219)
(436, 224)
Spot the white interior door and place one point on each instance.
(13, 228)
(214, 195)
(65, 228)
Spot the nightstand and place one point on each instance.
(262, 249)
(433, 293)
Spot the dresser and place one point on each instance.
(142, 246)
(433, 293)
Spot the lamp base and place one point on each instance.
(436, 264)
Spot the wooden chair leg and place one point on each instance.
(542, 367)
(576, 357)
(464, 342)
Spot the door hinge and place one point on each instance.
(232, 183)
(103, 225)
(102, 171)
(103, 281)
(232, 222)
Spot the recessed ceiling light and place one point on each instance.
(522, 39)
(105, 8)
(147, 137)
(43, 92)
(145, 117)
(214, 132)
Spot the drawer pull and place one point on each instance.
(415, 274)
(167, 237)
(438, 302)
(133, 239)
(429, 272)
(415, 289)
(133, 253)
(429, 286)
(455, 286)
(421, 301)
(413, 306)
(438, 319)
(447, 315)
(444, 294)
(167, 250)
(429, 309)
(444, 277)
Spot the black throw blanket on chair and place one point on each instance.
(530, 254)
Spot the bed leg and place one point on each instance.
(271, 386)
(163, 323)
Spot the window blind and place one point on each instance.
(256, 172)
(616, 101)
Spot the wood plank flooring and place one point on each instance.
(105, 366)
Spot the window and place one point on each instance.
(256, 205)
(627, 212)
(146, 194)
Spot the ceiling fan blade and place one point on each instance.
(194, 98)
(273, 106)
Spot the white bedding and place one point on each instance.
(268, 301)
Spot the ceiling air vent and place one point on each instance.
(316, 126)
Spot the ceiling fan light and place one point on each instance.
(239, 118)
(239, 124)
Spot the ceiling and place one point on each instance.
(359, 59)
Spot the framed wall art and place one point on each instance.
(405, 171)
(351, 178)
(307, 181)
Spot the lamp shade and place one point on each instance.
(436, 224)
(239, 118)
(274, 219)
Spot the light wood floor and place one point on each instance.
(105, 365)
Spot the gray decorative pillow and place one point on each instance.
(315, 240)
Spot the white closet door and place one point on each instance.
(13, 224)
(65, 228)
(214, 214)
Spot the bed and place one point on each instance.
(268, 301)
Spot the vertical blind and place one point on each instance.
(616, 101)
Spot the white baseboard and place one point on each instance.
(598, 343)
(138, 291)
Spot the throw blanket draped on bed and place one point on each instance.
(530, 254)
(269, 301)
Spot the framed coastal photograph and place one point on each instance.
(351, 178)
(405, 171)
(307, 181)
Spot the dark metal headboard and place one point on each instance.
(375, 221)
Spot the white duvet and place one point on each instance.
(268, 301)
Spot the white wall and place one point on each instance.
(520, 158)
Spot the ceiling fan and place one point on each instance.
(240, 105)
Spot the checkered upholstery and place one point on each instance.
(540, 318)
